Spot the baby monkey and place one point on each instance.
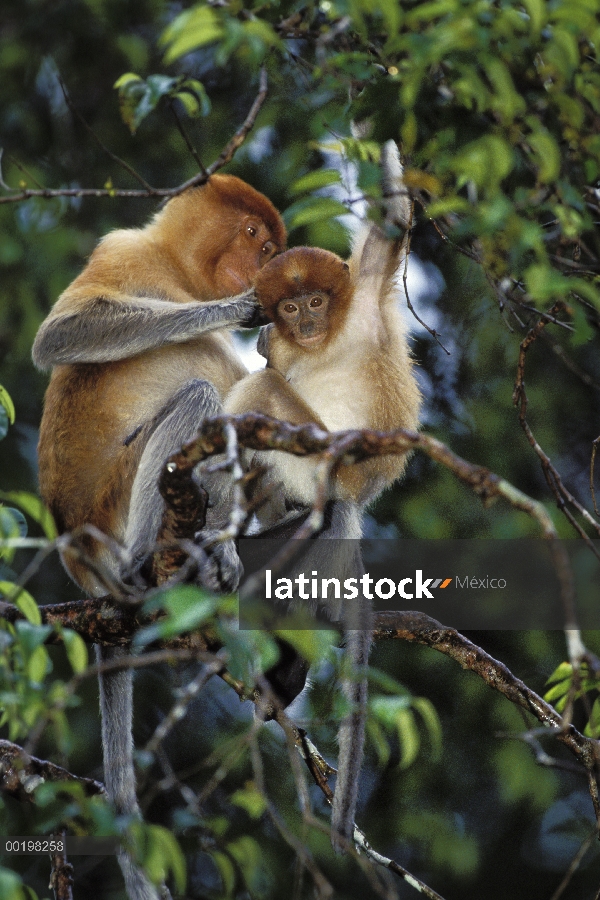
(337, 357)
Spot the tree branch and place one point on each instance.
(226, 155)
(20, 773)
(421, 629)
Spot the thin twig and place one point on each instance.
(321, 770)
(177, 711)
(240, 136)
(186, 138)
(595, 444)
(226, 155)
(574, 865)
(555, 483)
(323, 887)
(61, 877)
(434, 334)
(117, 159)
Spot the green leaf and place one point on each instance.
(546, 152)
(250, 799)
(386, 709)
(536, 10)
(157, 850)
(453, 204)
(127, 79)
(314, 644)
(187, 607)
(24, 601)
(7, 404)
(557, 691)
(545, 283)
(194, 98)
(247, 853)
(34, 507)
(485, 161)
(190, 30)
(506, 102)
(428, 713)
(583, 329)
(563, 671)
(164, 855)
(37, 665)
(137, 98)
(408, 735)
(77, 653)
(11, 886)
(592, 729)
(12, 523)
(312, 181)
(31, 636)
(226, 871)
(377, 737)
(318, 210)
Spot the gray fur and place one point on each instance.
(116, 696)
(108, 330)
(346, 523)
(176, 423)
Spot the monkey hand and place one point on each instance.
(219, 566)
(252, 314)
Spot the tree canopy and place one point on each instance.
(105, 108)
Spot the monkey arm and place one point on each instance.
(376, 257)
(105, 330)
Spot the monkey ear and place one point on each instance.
(262, 346)
(346, 267)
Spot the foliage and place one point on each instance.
(496, 107)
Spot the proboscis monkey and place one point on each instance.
(140, 355)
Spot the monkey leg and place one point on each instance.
(177, 422)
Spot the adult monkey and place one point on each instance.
(337, 357)
(139, 359)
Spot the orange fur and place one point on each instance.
(301, 271)
(195, 249)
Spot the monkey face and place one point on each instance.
(249, 249)
(305, 318)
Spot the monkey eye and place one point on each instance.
(316, 301)
(290, 308)
(252, 230)
(268, 249)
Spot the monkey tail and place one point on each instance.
(351, 737)
(116, 704)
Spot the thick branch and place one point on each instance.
(421, 629)
(260, 432)
(20, 773)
